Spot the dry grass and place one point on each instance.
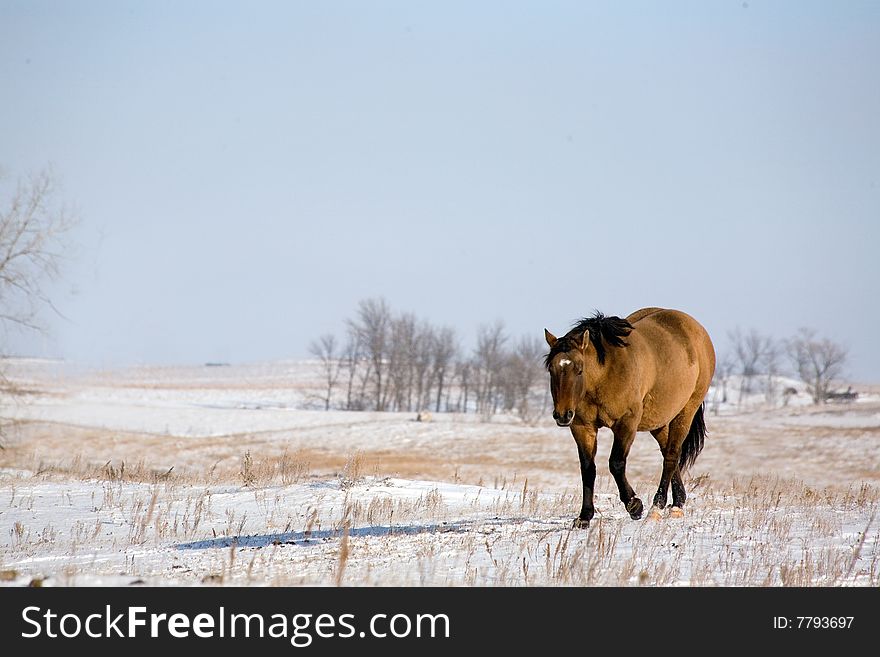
(755, 531)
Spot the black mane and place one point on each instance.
(612, 329)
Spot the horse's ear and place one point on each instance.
(585, 341)
(550, 338)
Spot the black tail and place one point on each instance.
(693, 444)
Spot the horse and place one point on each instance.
(648, 372)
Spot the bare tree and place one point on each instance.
(373, 328)
(523, 375)
(324, 349)
(444, 350)
(351, 360)
(464, 374)
(488, 365)
(749, 351)
(818, 362)
(771, 358)
(421, 357)
(33, 226)
(399, 363)
(723, 369)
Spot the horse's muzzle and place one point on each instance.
(563, 419)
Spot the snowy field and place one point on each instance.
(223, 475)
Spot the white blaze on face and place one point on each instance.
(563, 362)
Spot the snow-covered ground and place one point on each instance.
(225, 475)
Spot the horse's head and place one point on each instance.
(565, 362)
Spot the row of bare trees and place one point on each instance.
(759, 361)
(397, 362)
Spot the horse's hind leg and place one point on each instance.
(671, 439)
(661, 435)
(679, 495)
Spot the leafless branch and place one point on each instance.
(33, 228)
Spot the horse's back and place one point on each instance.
(676, 326)
(641, 314)
(679, 325)
(679, 346)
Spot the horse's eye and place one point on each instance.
(579, 370)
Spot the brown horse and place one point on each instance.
(648, 372)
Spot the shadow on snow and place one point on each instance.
(308, 538)
(315, 537)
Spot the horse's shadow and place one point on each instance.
(315, 537)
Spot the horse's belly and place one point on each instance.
(662, 404)
(653, 418)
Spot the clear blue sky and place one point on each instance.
(247, 172)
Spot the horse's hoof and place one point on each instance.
(635, 508)
(580, 523)
(676, 512)
(654, 514)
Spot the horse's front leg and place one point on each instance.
(624, 434)
(585, 439)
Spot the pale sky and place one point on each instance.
(246, 172)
